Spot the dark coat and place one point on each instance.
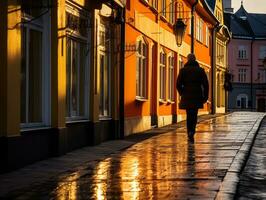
(192, 85)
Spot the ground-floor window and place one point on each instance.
(76, 71)
(242, 101)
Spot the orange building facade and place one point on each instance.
(153, 59)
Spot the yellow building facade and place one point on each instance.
(60, 74)
(221, 39)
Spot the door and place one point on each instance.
(261, 105)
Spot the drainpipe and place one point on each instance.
(213, 105)
(122, 79)
(192, 24)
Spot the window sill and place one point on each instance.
(141, 99)
(170, 101)
(155, 10)
(163, 18)
(33, 128)
(76, 120)
(104, 118)
(163, 101)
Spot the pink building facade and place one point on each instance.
(246, 52)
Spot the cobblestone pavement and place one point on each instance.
(165, 166)
(252, 183)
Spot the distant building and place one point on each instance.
(247, 49)
(221, 39)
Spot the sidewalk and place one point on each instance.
(164, 166)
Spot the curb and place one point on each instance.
(230, 182)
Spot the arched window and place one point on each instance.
(242, 101)
(141, 68)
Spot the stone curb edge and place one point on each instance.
(230, 182)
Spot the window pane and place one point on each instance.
(82, 79)
(35, 76)
(74, 79)
(23, 79)
(68, 78)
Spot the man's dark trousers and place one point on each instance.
(192, 114)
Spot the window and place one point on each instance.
(242, 75)
(220, 53)
(242, 101)
(242, 52)
(76, 78)
(142, 68)
(35, 66)
(172, 12)
(207, 36)
(262, 52)
(163, 8)
(76, 67)
(197, 28)
(171, 79)
(162, 75)
(200, 30)
(104, 66)
(155, 4)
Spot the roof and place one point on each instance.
(244, 24)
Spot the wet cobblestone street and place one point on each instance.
(165, 166)
(252, 183)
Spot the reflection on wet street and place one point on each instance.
(163, 167)
(252, 183)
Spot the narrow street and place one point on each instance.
(165, 166)
(252, 180)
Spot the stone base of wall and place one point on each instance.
(165, 120)
(137, 124)
(220, 109)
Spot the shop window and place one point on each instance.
(77, 65)
(141, 69)
(35, 65)
(162, 75)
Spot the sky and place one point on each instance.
(252, 6)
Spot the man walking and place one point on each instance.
(193, 87)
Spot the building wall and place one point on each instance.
(253, 65)
(143, 21)
(59, 111)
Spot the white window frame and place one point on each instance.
(171, 78)
(75, 35)
(142, 69)
(44, 26)
(163, 72)
(242, 52)
(242, 75)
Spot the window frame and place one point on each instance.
(242, 75)
(142, 79)
(163, 82)
(42, 25)
(74, 35)
(242, 52)
(171, 78)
